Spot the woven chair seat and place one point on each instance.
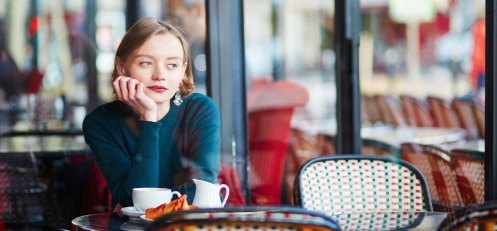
(380, 221)
(359, 183)
(245, 218)
(475, 217)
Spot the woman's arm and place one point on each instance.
(123, 171)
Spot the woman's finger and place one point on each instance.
(140, 91)
(124, 88)
(132, 90)
(117, 88)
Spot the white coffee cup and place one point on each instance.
(145, 198)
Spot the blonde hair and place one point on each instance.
(141, 32)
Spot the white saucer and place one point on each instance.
(144, 218)
(131, 212)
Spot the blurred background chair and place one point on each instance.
(389, 110)
(434, 163)
(270, 107)
(416, 110)
(443, 113)
(474, 217)
(465, 113)
(357, 183)
(469, 167)
(246, 218)
(370, 107)
(26, 198)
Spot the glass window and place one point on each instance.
(428, 52)
(291, 95)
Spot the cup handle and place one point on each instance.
(177, 194)
(227, 193)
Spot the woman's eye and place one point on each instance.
(172, 65)
(145, 63)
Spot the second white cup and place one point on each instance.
(145, 198)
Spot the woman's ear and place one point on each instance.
(119, 67)
(184, 67)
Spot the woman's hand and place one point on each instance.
(132, 92)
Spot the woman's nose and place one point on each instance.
(159, 74)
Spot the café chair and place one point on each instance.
(24, 197)
(380, 220)
(358, 183)
(390, 112)
(370, 108)
(434, 164)
(474, 217)
(369, 147)
(479, 111)
(270, 107)
(417, 111)
(245, 218)
(378, 148)
(467, 117)
(469, 167)
(443, 113)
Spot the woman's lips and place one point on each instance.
(157, 88)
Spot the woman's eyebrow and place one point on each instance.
(143, 55)
(175, 57)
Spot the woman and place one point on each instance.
(158, 133)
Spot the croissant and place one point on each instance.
(179, 204)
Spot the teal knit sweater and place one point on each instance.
(132, 153)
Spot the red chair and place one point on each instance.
(96, 196)
(434, 163)
(443, 113)
(229, 177)
(417, 112)
(270, 107)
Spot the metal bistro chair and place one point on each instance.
(467, 117)
(358, 183)
(416, 110)
(369, 147)
(245, 218)
(469, 166)
(443, 113)
(475, 217)
(434, 163)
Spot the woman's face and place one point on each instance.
(159, 64)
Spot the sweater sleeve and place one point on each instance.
(122, 170)
(203, 150)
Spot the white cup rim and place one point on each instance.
(148, 189)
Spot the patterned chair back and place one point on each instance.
(370, 107)
(443, 113)
(474, 217)
(417, 111)
(390, 112)
(479, 112)
(469, 166)
(378, 148)
(246, 218)
(465, 113)
(358, 183)
(434, 163)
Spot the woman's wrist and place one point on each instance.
(149, 116)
